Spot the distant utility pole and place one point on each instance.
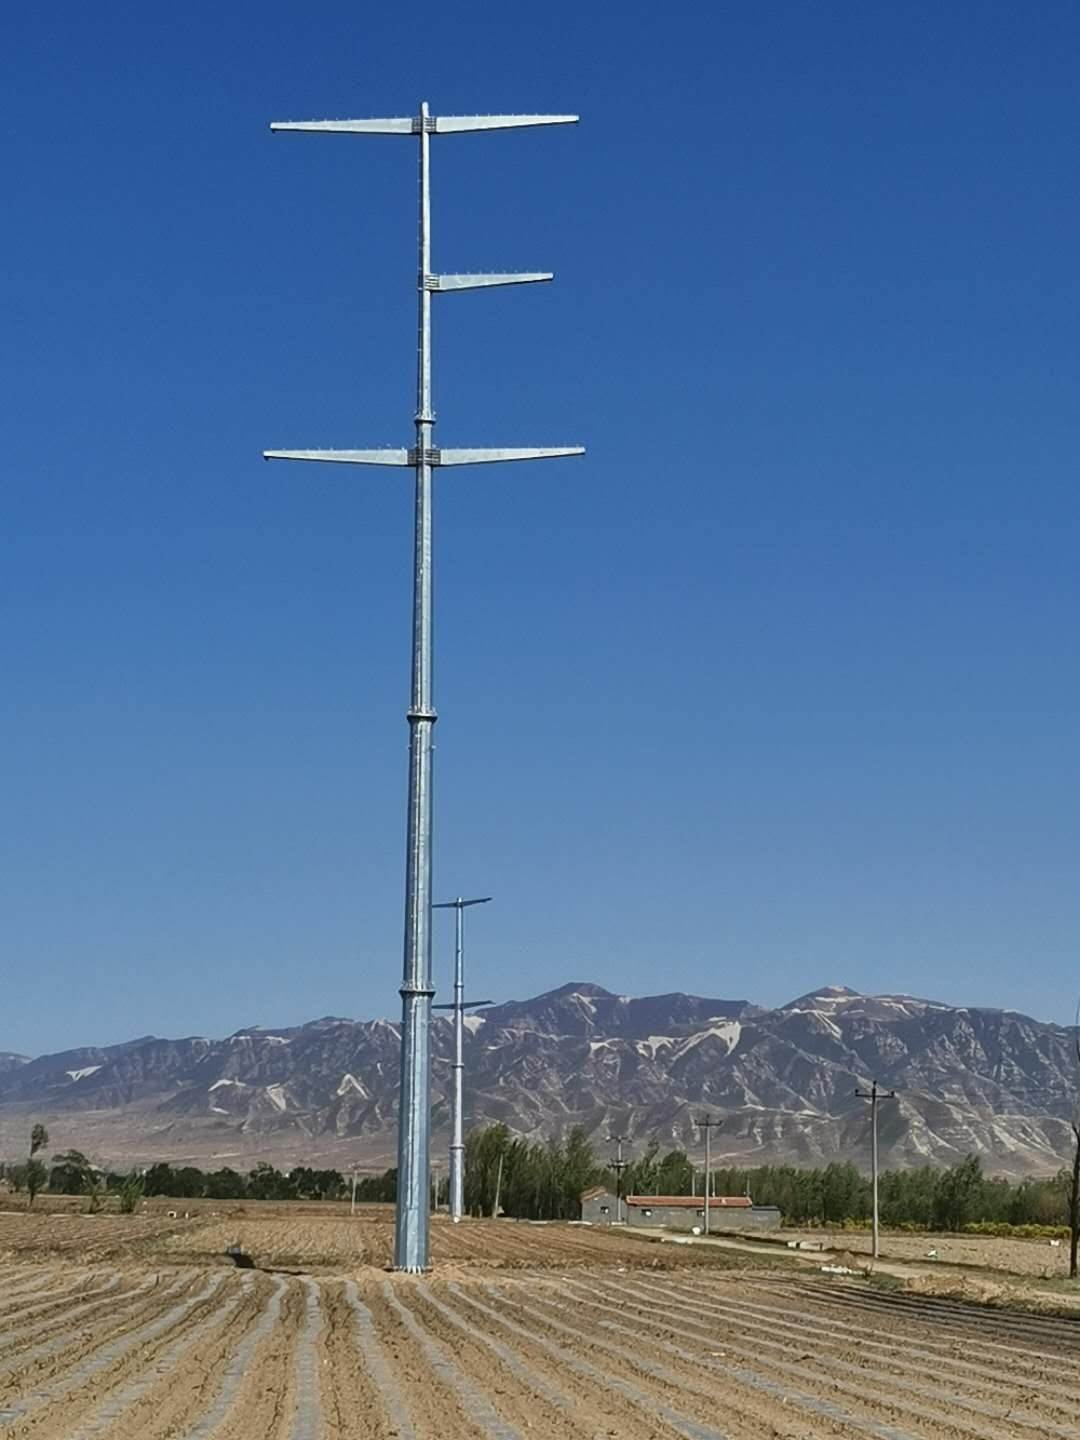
(618, 1165)
(457, 1141)
(352, 1203)
(412, 1228)
(874, 1095)
(708, 1124)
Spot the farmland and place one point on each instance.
(121, 1326)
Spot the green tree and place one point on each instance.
(844, 1195)
(267, 1183)
(317, 1184)
(642, 1175)
(958, 1192)
(189, 1183)
(675, 1175)
(131, 1192)
(485, 1161)
(35, 1172)
(378, 1188)
(158, 1180)
(71, 1173)
(225, 1184)
(36, 1176)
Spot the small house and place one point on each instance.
(679, 1212)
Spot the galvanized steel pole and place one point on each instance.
(411, 1230)
(457, 1142)
(411, 1236)
(457, 1139)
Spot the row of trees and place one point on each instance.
(530, 1179)
(543, 1181)
(265, 1182)
(539, 1180)
(927, 1197)
(71, 1173)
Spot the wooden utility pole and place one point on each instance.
(618, 1165)
(708, 1124)
(874, 1095)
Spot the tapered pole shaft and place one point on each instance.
(411, 1235)
(457, 1145)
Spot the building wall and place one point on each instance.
(599, 1209)
(679, 1217)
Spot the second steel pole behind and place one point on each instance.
(457, 1140)
(457, 1144)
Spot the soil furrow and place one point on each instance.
(307, 1419)
(23, 1352)
(36, 1283)
(968, 1332)
(898, 1351)
(390, 1399)
(782, 1394)
(475, 1403)
(258, 1379)
(1063, 1333)
(125, 1397)
(82, 1340)
(937, 1343)
(54, 1301)
(830, 1367)
(675, 1420)
(103, 1357)
(237, 1366)
(587, 1408)
(435, 1408)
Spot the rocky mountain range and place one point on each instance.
(783, 1081)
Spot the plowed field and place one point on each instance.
(521, 1331)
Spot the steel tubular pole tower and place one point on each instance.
(874, 1095)
(457, 1143)
(411, 1235)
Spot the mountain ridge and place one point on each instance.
(783, 1080)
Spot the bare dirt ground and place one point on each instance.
(115, 1327)
(1016, 1257)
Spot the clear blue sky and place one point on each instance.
(777, 687)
